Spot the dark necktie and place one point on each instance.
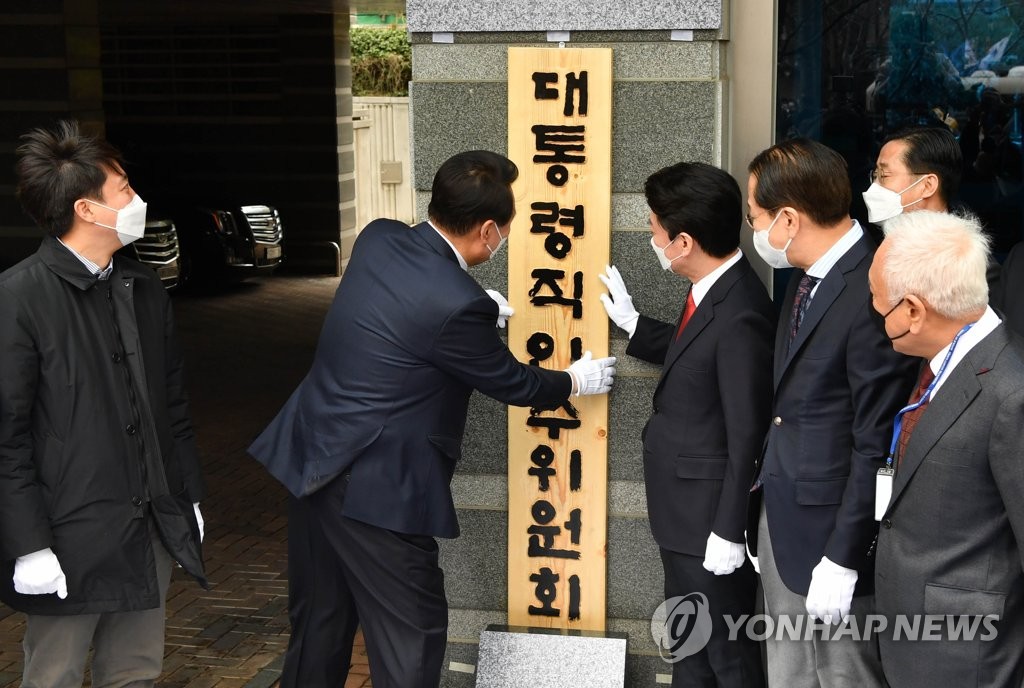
(910, 418)
(800, 304)
(691, 306)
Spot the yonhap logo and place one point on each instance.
(681, 626)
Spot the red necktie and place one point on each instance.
(691, 306)
(910, 418)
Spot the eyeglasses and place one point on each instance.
(874, 175)
(750, 218)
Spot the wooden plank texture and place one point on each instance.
(571, 235)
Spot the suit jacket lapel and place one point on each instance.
(704, 314)
(700, 319)
(427, 233)
(953, 398)
(826, 294)
(782, 330)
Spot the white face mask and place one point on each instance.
(664, 261)
(884, 204)
(501, 242)
(131, 220)
(775, 257)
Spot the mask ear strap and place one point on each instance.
(89, 200)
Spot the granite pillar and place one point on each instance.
(669, 104)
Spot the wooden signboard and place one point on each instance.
(560, 124)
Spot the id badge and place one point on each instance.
(883, 491)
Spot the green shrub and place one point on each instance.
(381, 62)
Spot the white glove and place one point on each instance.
(199, 520)
(723, 557)
(505, 311)
(40, 573)
(592, 376)
(831, 592)
(620, 305)
(753, 560)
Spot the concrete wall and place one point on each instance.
(669, 104)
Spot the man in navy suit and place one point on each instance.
(710, 408)
(368, 443)
(838, 384)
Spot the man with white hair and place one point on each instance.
(950, 498)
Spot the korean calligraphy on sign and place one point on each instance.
(560, 138)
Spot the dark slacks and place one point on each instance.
(343, 574)
(723, 663)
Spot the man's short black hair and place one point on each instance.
(805, 175)
(473, 187)
(57, 167)
(698, 199)
(933, 150)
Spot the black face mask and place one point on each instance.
(898, 304)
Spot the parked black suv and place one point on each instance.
(221, 245)
(158, 248)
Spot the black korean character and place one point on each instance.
(545, 592)
(555, 425)
(557, 244)
(547, 278)
(542, 537)
(541, 346)
(576, 96)
(575, 470)
(542, 457)
(541, 90)
(574, 525)
(574, 598)
(575, 85)
(559, 142)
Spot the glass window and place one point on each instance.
(852, 72)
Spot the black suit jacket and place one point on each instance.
(711, 407)
(409, 335)
(1008, 295)
(836, 394)
(952, 539)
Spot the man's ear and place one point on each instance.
(917, 312)
(83, 209)
(790, 221)
(486, 227)
(930, 185)
(685, 244)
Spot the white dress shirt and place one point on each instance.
(702, 286)
(462, 261)
(970, 339)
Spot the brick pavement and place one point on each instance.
(246, 347)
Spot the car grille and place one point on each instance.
(264, 222)
(159, 245)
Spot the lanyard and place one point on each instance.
(924, 397)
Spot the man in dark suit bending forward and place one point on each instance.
(368, 442)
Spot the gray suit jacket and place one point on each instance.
(951, 540)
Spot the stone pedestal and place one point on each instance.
(518, 657)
